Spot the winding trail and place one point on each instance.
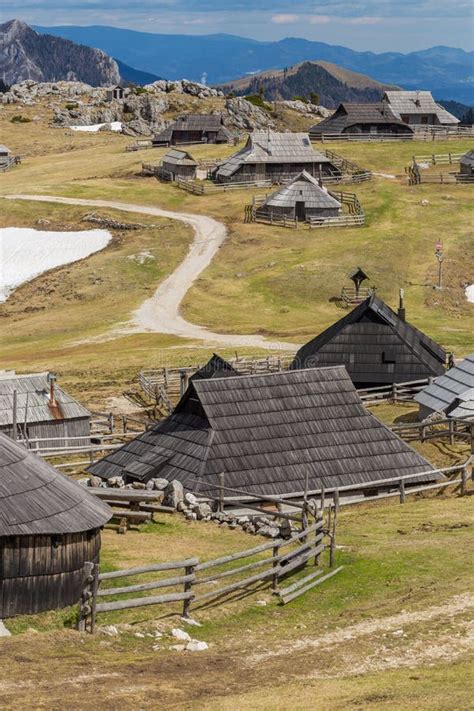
(161, 312)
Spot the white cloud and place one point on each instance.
(320, 19)
(364, 20)
(285, 19)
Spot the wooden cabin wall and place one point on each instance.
(39, 573)
(77, 427)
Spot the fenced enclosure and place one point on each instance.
(210, 188)
(452, 429)
(420, 133)
(394, 392)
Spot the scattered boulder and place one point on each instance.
(3, 630)
(196, 646)
(180, 634)
(95, 481)
(202, 511)
(174, 494)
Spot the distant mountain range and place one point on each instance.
(446, 71)
(331, 83)
(28, 54)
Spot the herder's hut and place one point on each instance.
(179, 164)
(278, 157)
(49, 527)
(360, 120)
(194, 128)
(418, 108)
(266, 433)
(117, 92)
(376, 345)
(467, 163)
(37, 408)
(451, 394)
(301, 198)
(7, 159)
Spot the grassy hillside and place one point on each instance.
(391, 631)
(263, 280)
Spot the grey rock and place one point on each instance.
(202, 510)
(138, 485)
(160, 484)
(190, 499)
(3, 630)
(95, 481)
(173, 494)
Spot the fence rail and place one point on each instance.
(203, 188)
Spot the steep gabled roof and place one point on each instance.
(272, 147)
(195, 122)
(468, 158)
(178, 157)
(33, 400)
(216, 367)
(348, 115)
(266, 432)
(454, 388)
(303, 188)
(418, 102)
(359, 332)
(37, 499)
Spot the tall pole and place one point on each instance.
(439, 254)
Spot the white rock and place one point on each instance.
(190, 621)
(3, 630)
(156, 647)
(178, 647)
(180, 634)
(110, 630)
(196, 646)
(139, 634)
(261, 603)
(190, 499)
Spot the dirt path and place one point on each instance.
(161, 313)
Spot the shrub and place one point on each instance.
(20, 119)
(72, 106)
(300, 98)
(315, 99)
(139, 90)
(257, 100)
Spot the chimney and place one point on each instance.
(401, 306)
(52, 396)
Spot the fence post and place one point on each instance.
(451, 431)
(401, 487)
(188, 586)
(94, 589)
(275, 564)
(394, 392)
(221, 491)
(84, 603)
(335, 498)
(464, 478)
(332, 549)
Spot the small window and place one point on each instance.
(306, 142)
(389, 356)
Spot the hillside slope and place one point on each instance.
(444, 70)
(333, 84)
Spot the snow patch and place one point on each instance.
(26, 253)
(94, 127)
(470, 293)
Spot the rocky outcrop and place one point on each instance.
(242, 114)
(306, 108)
(26, 54)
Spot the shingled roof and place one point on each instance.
(211, 123)
(303, 188)
(418, 102)
(216, 367)
(33, 399)
(266, 432)
(177, 157)
(37, 499)
(272, 147)
(452, 392)
(468, 159)
(348, 115)
(376, 346)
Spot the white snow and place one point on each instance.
(94, 127)
(470, 293)
(25, 253)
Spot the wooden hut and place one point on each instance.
(266, 433)
(278, 157)
(194, 128)
(35, 407)
(49, 527)
(467, 163)
(301, 198)
(418, 108)
(376, 345)
(179, 164)
(117, 92)
(360, 120)
(451, 394)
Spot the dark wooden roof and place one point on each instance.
(216, 367)
(266, 432)
(452, 392)
(195, 122)
(37, 499)
(468, 159)
(376, 346)
(348, 115)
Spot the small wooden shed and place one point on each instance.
(267, 433)
(194, 128)
(467, 163)
(179, 164)
(302, 198)
(37, 408)
(376, 345)
(360, 120)
(451, 393)
(49, 527)
(278, 157)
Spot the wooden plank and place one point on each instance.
(238, 585)
(299, 583)
(132, 515)
(171, 565)
(303, 558)
(236, 571)
(125, 494)
(237, 556)
(142, 601)
(300, 591)
(154, 585)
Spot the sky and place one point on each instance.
(377, 25)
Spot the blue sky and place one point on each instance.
(377, 25)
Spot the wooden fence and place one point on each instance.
(394, 392)
(9, 162)
(433, 133)
(209, 188)
(447, 428)
(199, 584)
(174, 381)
